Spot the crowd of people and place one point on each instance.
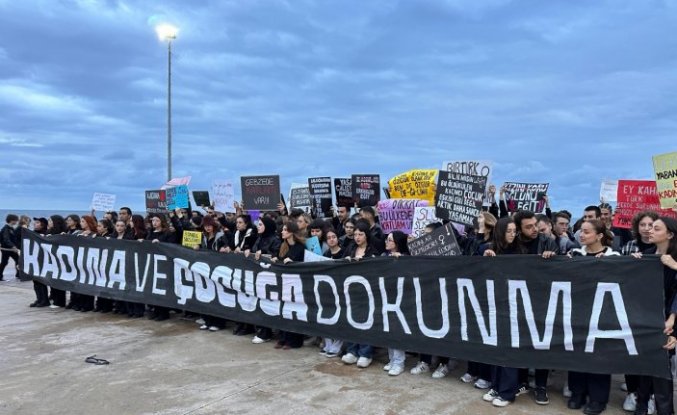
(355, 234)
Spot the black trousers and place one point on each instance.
(632, 382)
(86, 302)
(215, 321)
(480, 370)
(41, 293)
(662, 391)
(293, 340)
(505, 381)
(135, 309)
(104, 304)
(540, 378)
(6, 255)
(593, 385)
(429, 359)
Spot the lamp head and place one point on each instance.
(166, 31)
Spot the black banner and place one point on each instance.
(260, 192)
(459, 197)
(601, 315)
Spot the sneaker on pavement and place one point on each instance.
(467, 378)
(349, 359)
(500, 402)
(624, 387)
(652, 406)
(214, 328)
(482, 384)
(396, 370)
(258, 340)
(490, 396)
(522, 390)
(541, 396)
(204, 327)
(630, 402)
(594, 408)
(363, 362)
(388, 366)
(330, 354)
(566, 392)
(200, 321)
(441, 371)
(53, 306)
(421, 367)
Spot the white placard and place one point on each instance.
(224, 196)
(608, 191)
(103, 202)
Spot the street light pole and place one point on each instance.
(167, 32)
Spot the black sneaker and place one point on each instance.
(541, 396)
(576, 401)
(594, 408)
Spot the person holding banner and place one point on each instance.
(377, 237)
(56, 225)
(105, 228)
(267, 244)
(347, 238)
(596, 241)
(396, 246)
(318, 227)
(334, 248)
(41, 293)
(160, 233)
(10, 240)
(88, 225)
(244, 235)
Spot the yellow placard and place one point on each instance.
(414, 184)
(665, 167)
(191, 238)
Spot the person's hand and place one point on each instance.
(287, 260)
(546, 200)
(196, 247)
(257, 255)
(396, 254)
(601, 254)
(225, 249)
(273, 259)
(669, 261)
(669, 325)
(671, 343)
(549, 254)
(281, 207)
(236, 205)
(246, 253)
(489, 252)
(238, 250)
(179, 214)
(155, 241)
(636, 255)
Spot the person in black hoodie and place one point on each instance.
(245, 235)
(41, 293)
(160, 233)
(73, 228)
(56, 225)
(376, 235)
(10, 240)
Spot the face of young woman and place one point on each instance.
(360, 237)
(285, 233)
(316, 232)
(119, 227)
(301, 222)
(83, 225)
(240, 224)
(659, 233)
(349, 228)
(100, 229)
(480, 222)
(588, 234)
(260, 227)
(332, 239)
(70, 222)
(50, 224)
(510, 233)
(209, 228)
(156, 223)
(390, 244)
(645, 226)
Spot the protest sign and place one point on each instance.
(343, 189)
(313, 245)
(191, 239)
(635, 196)
(201, 198)
(366, 189)
(177, 181)
(309, 256)
(177, 197)
(103, 202)
(665, 167)
(470, 167)
(156, 201)
(608, 191)
(260, 192)
(459, 196)
(525, 196)
(224, 196)
(299, 197)
(398, 214)
(413, 184)
(422, 217)
(320, 195)
(440, 242)
(592, 315)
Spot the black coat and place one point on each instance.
(10, 237)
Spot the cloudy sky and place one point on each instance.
(566, 92)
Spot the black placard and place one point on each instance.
(343, 189)
(366, 189)
(201, 198)
(260, 192)
(440, 242)
(320, 195)
(459, 196)
(156, 201)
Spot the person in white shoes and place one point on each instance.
(396, 246)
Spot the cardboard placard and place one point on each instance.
(103, 202)
(343, 189)
(224, 196)
(635, 196)
(413, 184)
(608, 191)
(471, 167)
(191, 239)
(177, 181)
(459, 197)
(260, 192)
(177, 197)
(366, 189)
(440, 242)
(665, 167)
(423, 216)
(156, 201)
(398, 214)
(201, 198)
(299, 197)
(525, 196)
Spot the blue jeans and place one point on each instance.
(360, 350)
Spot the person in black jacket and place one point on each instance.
(41, 293)
(56, 225)
(10, 240)
(376, 235)
(245, 235)
(160, 233)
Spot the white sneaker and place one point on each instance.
(258, 340)
(52, 306)
(421, 367)
(349, 359)
(482, 384)
(441, 371)
(651, 407)
(204, 327)
(200, 321)
(490, 396)
(363, 362)
(566, 392)
(396, 370)
(630, 403)
(500, 402)
(214, 328)
(624, 387)
(388, 366)
(467, 378)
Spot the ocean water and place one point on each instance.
(42, 213)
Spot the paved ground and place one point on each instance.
(173, 368)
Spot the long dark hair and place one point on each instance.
(108, 226)
(499, 244)
(363, 226)
(400, 239)
(600, 227)
(139, 227)
(58, 225)
(638, 218)
(75, 218)
(671, 225)
(299, 238)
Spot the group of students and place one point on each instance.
(281, 236)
